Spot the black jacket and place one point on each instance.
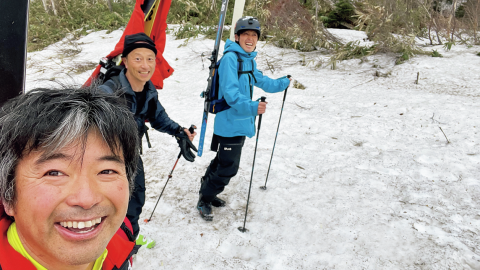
(152, 111)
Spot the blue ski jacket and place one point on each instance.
(237, 90)
(152, 111)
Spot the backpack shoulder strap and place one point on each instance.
(240, 64)
(240, 68)
(113, 83)
(127, 232)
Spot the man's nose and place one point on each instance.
(84, 193)
(144, 63)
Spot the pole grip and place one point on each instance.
(192, 128)
(262, 99)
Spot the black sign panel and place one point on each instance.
(13, 41)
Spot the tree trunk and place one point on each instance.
(66, 8)
(436, 31)
(430, 33)
(45, 6)
(212, 7)
(474, 20)
(53, 7)
(109, 2)
(452, 17)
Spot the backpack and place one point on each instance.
(109, 70)
(218, 105)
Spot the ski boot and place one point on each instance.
(205, 209)
(144, 241)
(217, 202)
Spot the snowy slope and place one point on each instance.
(362, 176)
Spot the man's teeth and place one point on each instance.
(80, 224)
(145, 72)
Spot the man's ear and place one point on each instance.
(236, 37)
(8, 209)
(124, 61)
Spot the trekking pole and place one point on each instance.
(191, 129)
(243, 229)
(281, 111)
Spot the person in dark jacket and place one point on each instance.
(134, 84)
(234, 124)
(69, 158)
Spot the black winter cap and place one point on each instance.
(135, 41)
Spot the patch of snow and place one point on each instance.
(362, 175)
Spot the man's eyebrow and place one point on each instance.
(113, 158)
(45, 158)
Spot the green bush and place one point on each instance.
(197, 17)
(74, 17)
(341, 16)
(435, 53)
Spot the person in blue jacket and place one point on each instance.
(134, 84)
(234, 124)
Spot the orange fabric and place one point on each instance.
(135, 25)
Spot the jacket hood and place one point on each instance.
(232, 46)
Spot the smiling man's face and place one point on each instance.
(70, 203)
(140, 64)
(247, 40)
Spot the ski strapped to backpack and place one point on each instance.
(212, 68)
(217, 104)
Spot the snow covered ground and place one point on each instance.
(362, 177)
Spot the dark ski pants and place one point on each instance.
(137, 200)
(223, 167)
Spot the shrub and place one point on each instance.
(341, 16)
(74, 17)
(435, 53)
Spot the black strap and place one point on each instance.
(127, 231)
(240, 68)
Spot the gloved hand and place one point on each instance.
(185, 145)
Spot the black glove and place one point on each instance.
(185, 145)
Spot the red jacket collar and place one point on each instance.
(10, 259)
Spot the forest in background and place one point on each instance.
(392, 25)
